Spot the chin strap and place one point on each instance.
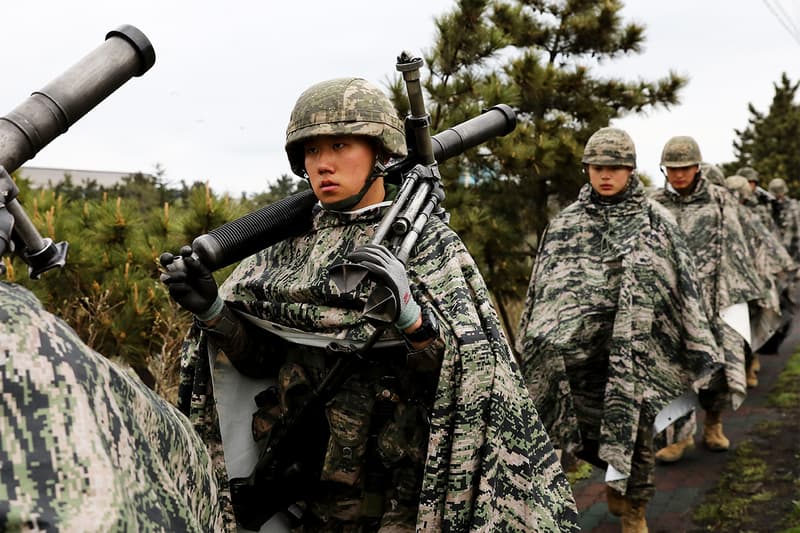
(378, 171)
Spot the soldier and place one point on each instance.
(787, 217)
(436, 431)
(763, 197)
(713, 174)
(773, 265)
(709, 217)
(84, 444)
(613, 326)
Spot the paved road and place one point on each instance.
(680, 487)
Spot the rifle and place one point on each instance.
(46, 114)
(289, 464)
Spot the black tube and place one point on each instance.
(255, 231)
(49, 112)
(496, 121)
(46, 114)
(291, 216)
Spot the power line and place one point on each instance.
(788, 26)
(787, 17)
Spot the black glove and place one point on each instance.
(392, 273)
(191, 284)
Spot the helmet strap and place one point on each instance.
(378, 170)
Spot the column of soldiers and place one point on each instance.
(643, 309)
(639, 306)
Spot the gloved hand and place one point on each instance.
(392, 273)
(191, 284)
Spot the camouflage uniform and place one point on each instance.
(709, 217)
(774, 265)
(613, 329)
(713, 174)
(464, 449)
(84, 445)
(787, 218)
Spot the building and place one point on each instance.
(48, 177)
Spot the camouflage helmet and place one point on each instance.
(610, 147)
(343, 106)
(748, 172)
(681, 151)
(713, 173)
(777, 186)
(739, 184)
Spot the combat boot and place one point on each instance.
(752, 376)
(713, 437)
(633, 519)
(674, 452)
(617, 503)
(756, 362)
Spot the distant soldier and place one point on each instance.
(613, 327)
(713, 174)
(709, 217)
(775, 267)
(84, 444)
(787, 217)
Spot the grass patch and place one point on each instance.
(741, 501)
(578, 471)
(741, 486)
(786, 393)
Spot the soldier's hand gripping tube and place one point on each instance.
(49, 112)
(191, 284)
(291, 216)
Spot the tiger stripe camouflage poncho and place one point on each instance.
(613, 293)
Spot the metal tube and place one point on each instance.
(49, 112)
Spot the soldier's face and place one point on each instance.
(609, 180)
(681, 178)
(338, 166)
(753, 185)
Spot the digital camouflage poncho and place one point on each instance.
(490, 465)
(709, 216)
(613, 327)
(85, 446)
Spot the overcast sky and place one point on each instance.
(215, 105)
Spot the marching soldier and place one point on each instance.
(708, 215)
(613, 327)
(84, 444)
(435, 430)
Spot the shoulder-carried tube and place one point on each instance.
(273, 223)
(49, 112)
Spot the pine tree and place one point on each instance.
(109, 291)
(771, 141)
(539, 57)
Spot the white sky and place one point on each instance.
(215, 105)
